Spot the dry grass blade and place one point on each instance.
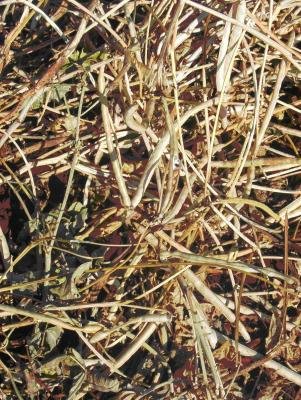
(150, 199)
(112, 152)
(236, 266)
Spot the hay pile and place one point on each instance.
(150, 199)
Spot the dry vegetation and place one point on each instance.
(150, 199)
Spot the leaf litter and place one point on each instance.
(150, 199)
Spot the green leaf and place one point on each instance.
(34, 348)
(70, 123)
(56, 92)
(85, 59)
(53, 335)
